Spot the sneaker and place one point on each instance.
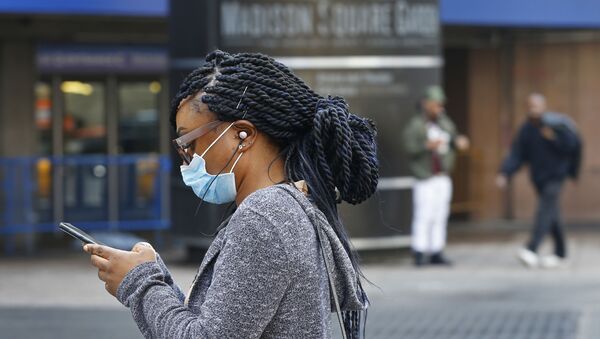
(419, 259)
(439, 259)
(552, 261)
(528, 258)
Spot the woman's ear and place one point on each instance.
(245, 133)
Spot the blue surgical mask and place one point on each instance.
(214, 189)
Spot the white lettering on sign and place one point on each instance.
(266, 20)
(331, 19)
(417, 19)
(348, 20)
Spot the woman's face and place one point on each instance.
(192, 114)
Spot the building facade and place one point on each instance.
(498, 52)
(83, 117)
(84, 92)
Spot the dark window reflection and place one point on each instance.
(138, 117)
(84, 122)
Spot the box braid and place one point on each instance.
(323, 143)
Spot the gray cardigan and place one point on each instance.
(262, 277)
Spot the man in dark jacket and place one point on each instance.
(548, 150)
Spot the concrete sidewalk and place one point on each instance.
(487, 294)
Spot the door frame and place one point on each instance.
(111, 105)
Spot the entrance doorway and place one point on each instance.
(456, 86)
(101, 150)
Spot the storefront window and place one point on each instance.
(138, 117)
(42, 171)
(84, 131)
(138, 133)
(43, 117)
(84, 121)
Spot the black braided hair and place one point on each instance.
(322, 142)
(281, 105)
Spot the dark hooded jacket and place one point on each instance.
(548, 160)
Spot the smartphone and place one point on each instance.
(77, 233)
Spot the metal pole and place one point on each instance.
(58, 107)
(507, 95)
(112, 128)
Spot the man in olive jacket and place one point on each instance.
(430, 140)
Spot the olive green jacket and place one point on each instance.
(415, 139)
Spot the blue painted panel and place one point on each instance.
(149, 8)
(522, 13)
(22, 196)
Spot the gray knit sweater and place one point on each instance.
(262, 277)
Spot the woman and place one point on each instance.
(255, 134)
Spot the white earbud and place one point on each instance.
(243, 135)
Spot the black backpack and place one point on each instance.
(561, 123)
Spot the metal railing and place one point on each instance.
(95, 192)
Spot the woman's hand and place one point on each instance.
(114, 264)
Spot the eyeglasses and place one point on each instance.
(183, 143)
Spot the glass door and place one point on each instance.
(139, 134)
(84, 117)
(138, 116)
(100, 149)
(43, 167)
(84, 134)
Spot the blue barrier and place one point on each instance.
(38, 192)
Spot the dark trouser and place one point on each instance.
(547, 218)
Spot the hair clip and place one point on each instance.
(240, 102)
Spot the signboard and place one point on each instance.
(302, 28)
(94, 59)
(378, 54)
